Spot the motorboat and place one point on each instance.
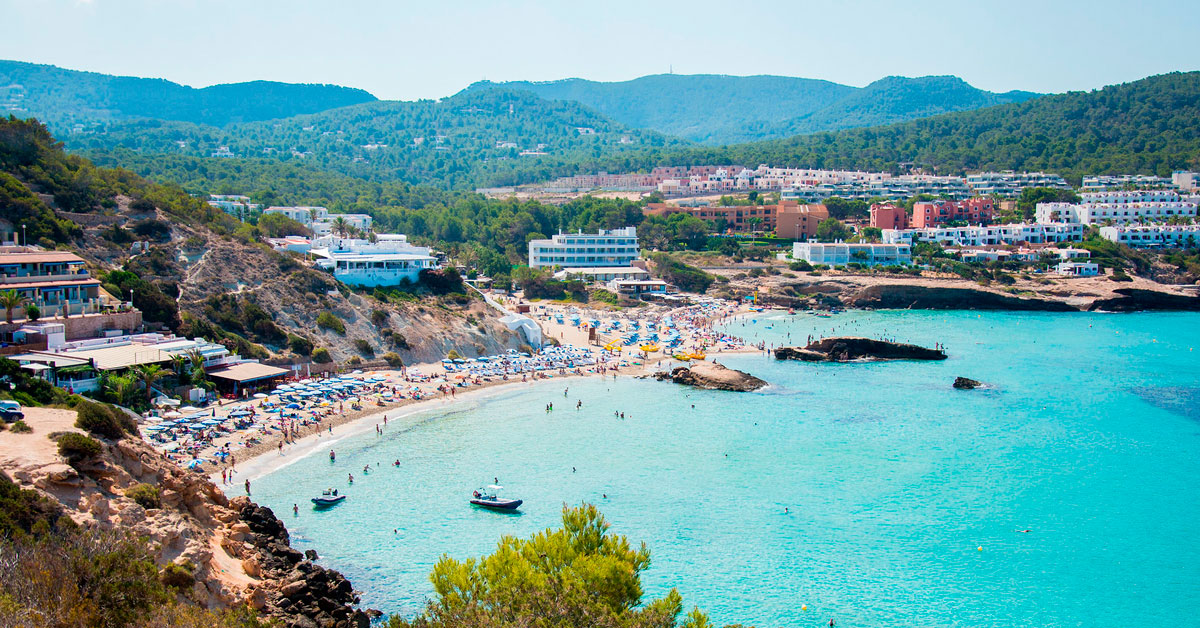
(488, 497)
(329, 497)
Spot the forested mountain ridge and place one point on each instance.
(718, 109)
(1146, 126)
(453, 142)
(64, 98)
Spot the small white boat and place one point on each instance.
(329, 497)
(488, 497)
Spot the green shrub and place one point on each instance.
(146, 495)
(21, 427)
(379, 317)
(320, 355)
(100, 419)
(179, 577)
(300, 345)
(326, 320)
(453, 355)
(363, 347)
(1120, 275)
(354, 360)
(76, 447)
(397, 339)
(393, 359)
(800, 266)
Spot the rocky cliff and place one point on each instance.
(237, 552)
(1136, 300)
(848, 348)
(897, 297)
(712, 376)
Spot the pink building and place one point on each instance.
(888, 216)
(937, 213)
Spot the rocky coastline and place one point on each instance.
(852, 348)
(235, 551)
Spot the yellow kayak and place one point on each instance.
(697, 356)
(649, 348)
(682, 357)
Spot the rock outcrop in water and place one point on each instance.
(239, 552)
(966, 383)
(306, 594)
(711, 376)
(848, 348)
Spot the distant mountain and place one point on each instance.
(700, 107)
(716, 109)
(451, 142)
(888, 100)
(1146, 126)
(65, 98)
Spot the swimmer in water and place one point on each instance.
(296, 510)
(350, 477)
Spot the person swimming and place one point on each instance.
(332, 456)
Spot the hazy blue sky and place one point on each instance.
(430, 49)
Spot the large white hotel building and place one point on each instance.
(609, 247)
(1118, 207)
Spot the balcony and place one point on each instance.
(11, 279)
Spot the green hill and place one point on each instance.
(452, 142)
(716, 109)
(64, 98)
(893, 99)
(1146, 126)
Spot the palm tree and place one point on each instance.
(10, 300)
(340, 226)
(198, 377)
(147, 375)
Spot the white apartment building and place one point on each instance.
(386, 262)
(1153, 236)
(361, 222)
(987, 235)
(611, 247)
(1104, 182)
(1186, 181)
(1119, 213)
(235, 205)
(1118, 206)
(1009, 183)
(842, 253)
(319, 219)
(303, 215)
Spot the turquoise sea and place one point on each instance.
(893, 481)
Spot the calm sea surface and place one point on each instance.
(1089, 438)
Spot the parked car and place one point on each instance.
(10, 411)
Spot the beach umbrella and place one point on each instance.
(293, 406)
(172, 415)
(259, 396)
(192, 464)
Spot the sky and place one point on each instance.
(410, 50)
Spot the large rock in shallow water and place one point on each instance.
(847, 348)
(965, 383)
(710, 376)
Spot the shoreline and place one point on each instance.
(259, 461)
(267, 456)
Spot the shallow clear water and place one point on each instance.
(1090, 438)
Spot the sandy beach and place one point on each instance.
(267, 456)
